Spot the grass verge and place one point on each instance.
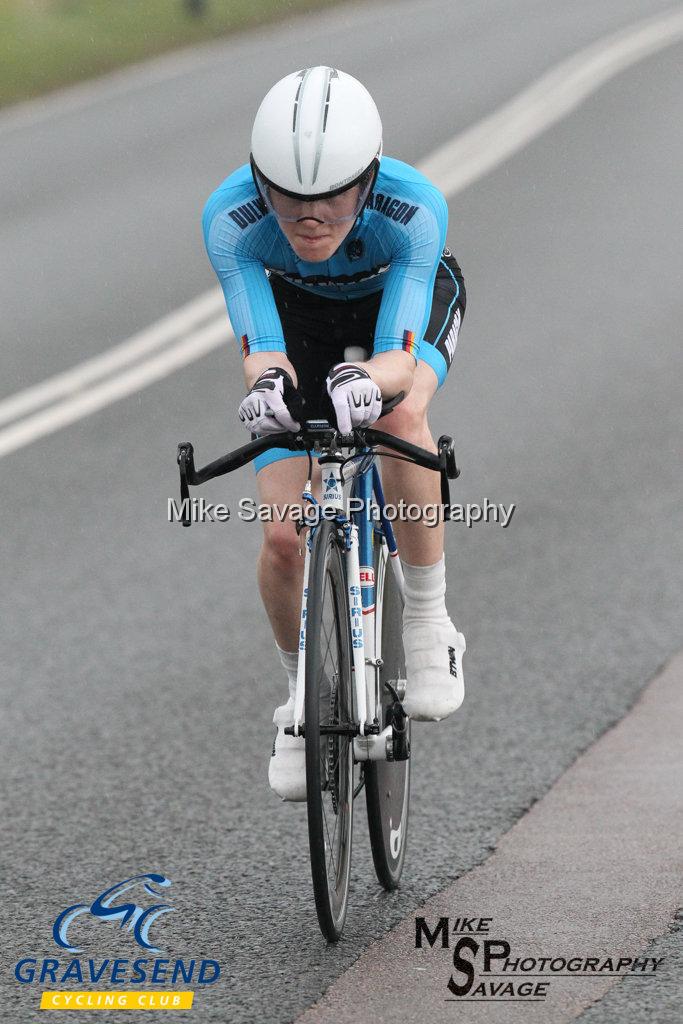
(48, 43)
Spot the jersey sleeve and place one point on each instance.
(409, 282)
(248, 295)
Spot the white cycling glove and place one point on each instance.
(264, 410)
(356, 398)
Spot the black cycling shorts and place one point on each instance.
(318, 330)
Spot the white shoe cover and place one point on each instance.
(435, 684)
(287, 767)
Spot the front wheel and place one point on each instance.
(329, 755)
(387, 783)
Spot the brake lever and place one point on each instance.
(446, 451)
(391, 403)
(449, 471)
(185, 459)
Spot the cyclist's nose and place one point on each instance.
(313, 211)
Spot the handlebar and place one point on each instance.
(317, 435)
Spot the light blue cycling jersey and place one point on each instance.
(394, 247)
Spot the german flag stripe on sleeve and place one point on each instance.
(245, 345)
(409, 345)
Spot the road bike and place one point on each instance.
(351, 675)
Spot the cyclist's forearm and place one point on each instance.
(257, 362)
(392, 372)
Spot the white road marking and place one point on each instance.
(492, 140)
(453, 167)
(161, 333)
(123, 384)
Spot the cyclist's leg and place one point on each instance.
(421, 544)
(280, 576)
(313, 346)
(418, 543)
(280, 564)
(313, 343)
(433, 646)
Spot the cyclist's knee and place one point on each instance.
(281, 547)
(409, 419)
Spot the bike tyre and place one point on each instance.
(387, 783)
(329, 760)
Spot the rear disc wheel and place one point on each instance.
(387, 783)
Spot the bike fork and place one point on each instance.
(301, 665)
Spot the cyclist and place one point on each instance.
(326, 250)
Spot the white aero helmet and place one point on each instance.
(316, 134)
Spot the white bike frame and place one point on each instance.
(365, 624)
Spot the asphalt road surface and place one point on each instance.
(139, 678)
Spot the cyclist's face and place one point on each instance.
(315, 230)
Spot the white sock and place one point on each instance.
(425, 593)
(290, 660)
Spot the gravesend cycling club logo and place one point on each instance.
(137, 906)
(138, 919)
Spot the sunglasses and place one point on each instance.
(337, 209)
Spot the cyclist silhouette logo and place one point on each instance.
(138, 919)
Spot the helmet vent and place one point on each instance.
(327, 107)
(333, 74)
(296, 100)
(327, 87)
(296, 127)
